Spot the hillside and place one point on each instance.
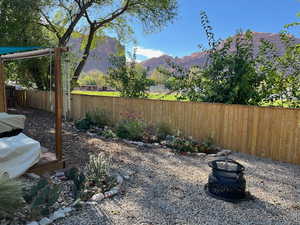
(99, 57)
(199, 58)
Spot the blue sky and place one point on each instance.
(227, 16)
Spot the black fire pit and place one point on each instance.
(227, 180)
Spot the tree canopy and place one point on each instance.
(97, 17)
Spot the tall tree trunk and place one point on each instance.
(85, 56)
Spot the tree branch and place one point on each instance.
(114, 15)
(78, 16)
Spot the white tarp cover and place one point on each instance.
(18, 154)
(9, 122)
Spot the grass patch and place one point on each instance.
(157, 96)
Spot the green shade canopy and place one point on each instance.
(11, 50)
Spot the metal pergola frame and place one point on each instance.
(57, 52)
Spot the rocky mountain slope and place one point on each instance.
(99, 56)
(199, 58)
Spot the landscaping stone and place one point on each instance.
(33, 223)
(58, 214)
(98, 197)
(45, 221)
(224, 152)
(67, 209)
(201, 154)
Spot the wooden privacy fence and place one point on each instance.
(262, 131)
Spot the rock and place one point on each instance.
(126, 177)
(45, 221)
(60, 174)
(224, 152)
(201, 154)
(98, 197)
(33, 223)
(147, 145)
(120, 179)
(67, 209)
(33, 176)
(163, 142)
(139, 143)
(58, 214)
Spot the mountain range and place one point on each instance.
(99, 57)
(199, 58)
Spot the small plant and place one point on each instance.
(108, 133)
(163, 130)
(79, 181)
(98, 172)
(10, 196)
(42, 197)
(83, 124)
(98, 169)
(150, 134)
(182, 144)
(208, 145)
(132, 127)
(98, 117)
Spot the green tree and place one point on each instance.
(282, 72)
(130, 80)
(95, 17)
(93, 78)
(21, 29)
(159, 75)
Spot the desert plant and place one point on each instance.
(10, 195)
(79, 182)
(98, 169)
(42, 197)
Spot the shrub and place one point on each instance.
(132, 127)
(83, 124)
(108, 133)
(163, 130)
(10, 195)
(182, 144)
(98, 169)
(98, 117)
(42, 197)
(208, 145)
(150, 134)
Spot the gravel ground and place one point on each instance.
(164, 188)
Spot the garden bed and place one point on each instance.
(162, 187)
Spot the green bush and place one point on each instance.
(98, 117)
(83, 124)
(163, 130)
(10, 196)
(108, 133)
(131, 129)
(182, 144)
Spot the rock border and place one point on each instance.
(108, 194)
(60, 213)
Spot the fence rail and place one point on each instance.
(262, 131)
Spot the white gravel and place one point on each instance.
(165, 189)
